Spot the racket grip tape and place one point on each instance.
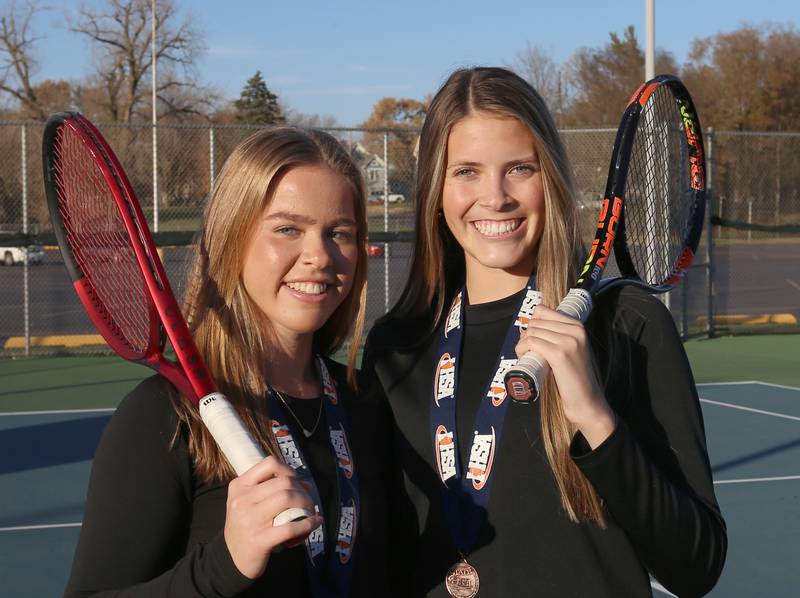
(236, 443)
(524, 381)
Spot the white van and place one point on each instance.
(34, 254)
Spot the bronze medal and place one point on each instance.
(462, 580)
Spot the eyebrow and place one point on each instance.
(292, 217)
(530, 158)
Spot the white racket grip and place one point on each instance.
(524, 381)
(577, 305)
(236, 443)
(231, 436)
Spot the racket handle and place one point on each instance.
(236, 443)
(524, 381)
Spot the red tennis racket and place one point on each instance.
(120, 280)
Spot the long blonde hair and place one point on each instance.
(437, 265)
(226, 324)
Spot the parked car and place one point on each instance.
(375, 249)
(392, 198)
(34, 254)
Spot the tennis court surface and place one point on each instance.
(753, 431)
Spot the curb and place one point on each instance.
(750, 319)
(63, 340)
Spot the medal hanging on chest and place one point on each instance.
(329, 574)
(466, 490)
(462, 580)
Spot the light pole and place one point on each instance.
(155, 118)
(650, 35)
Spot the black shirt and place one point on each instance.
(652, 473)
(153, 528)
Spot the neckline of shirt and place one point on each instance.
(492, 311)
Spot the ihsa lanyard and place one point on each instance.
(339, 567)
(466, 496)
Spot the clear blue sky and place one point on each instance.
(340, 57)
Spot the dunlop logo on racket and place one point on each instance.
(608, 242)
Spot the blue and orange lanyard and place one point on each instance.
(466, 495)
(329, 575)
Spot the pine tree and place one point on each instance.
(257, 105)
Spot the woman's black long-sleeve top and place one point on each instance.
(151, 528)
(652, 473)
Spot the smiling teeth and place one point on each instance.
(308, 288)
(493, 228)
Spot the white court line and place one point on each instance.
(762, 412)
(58, 412)
(727, 383)
(751, 480)
(748, 382)
(778, 385)
(793, 283)
(23, 528)
(659, 588)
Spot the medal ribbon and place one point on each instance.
(338, 566)
(466, 495)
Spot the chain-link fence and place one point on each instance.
(745, 277)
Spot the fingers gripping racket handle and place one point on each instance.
(524, 381)
(237, 445)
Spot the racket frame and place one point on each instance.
(189, 374)
(693, 136)
(191, 377)
(611, 221)
(523, 381)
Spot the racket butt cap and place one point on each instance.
(520, 387)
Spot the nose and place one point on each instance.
(317, 251)
(495, 195)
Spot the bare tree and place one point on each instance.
(537, 67)
(17, 62)
(120, 33)
(308, 121)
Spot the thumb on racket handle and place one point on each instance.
(236, 443)
(524, 381)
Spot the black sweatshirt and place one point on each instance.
(652, 473)
(152, 529)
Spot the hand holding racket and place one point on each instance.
(651, 215)
(119, 278)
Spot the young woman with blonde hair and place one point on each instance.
(278, 285)
(604, 480)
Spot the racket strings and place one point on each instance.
(658, 192)
(99, 242)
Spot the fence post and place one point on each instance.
(778, 185)
(155, 175)
(25, 286)
(211, 159)
(685, 306)
(709, 233)
(386, 220)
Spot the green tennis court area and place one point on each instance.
(52, 412)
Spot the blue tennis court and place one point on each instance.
(753, 431)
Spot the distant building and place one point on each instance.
(373, 167)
